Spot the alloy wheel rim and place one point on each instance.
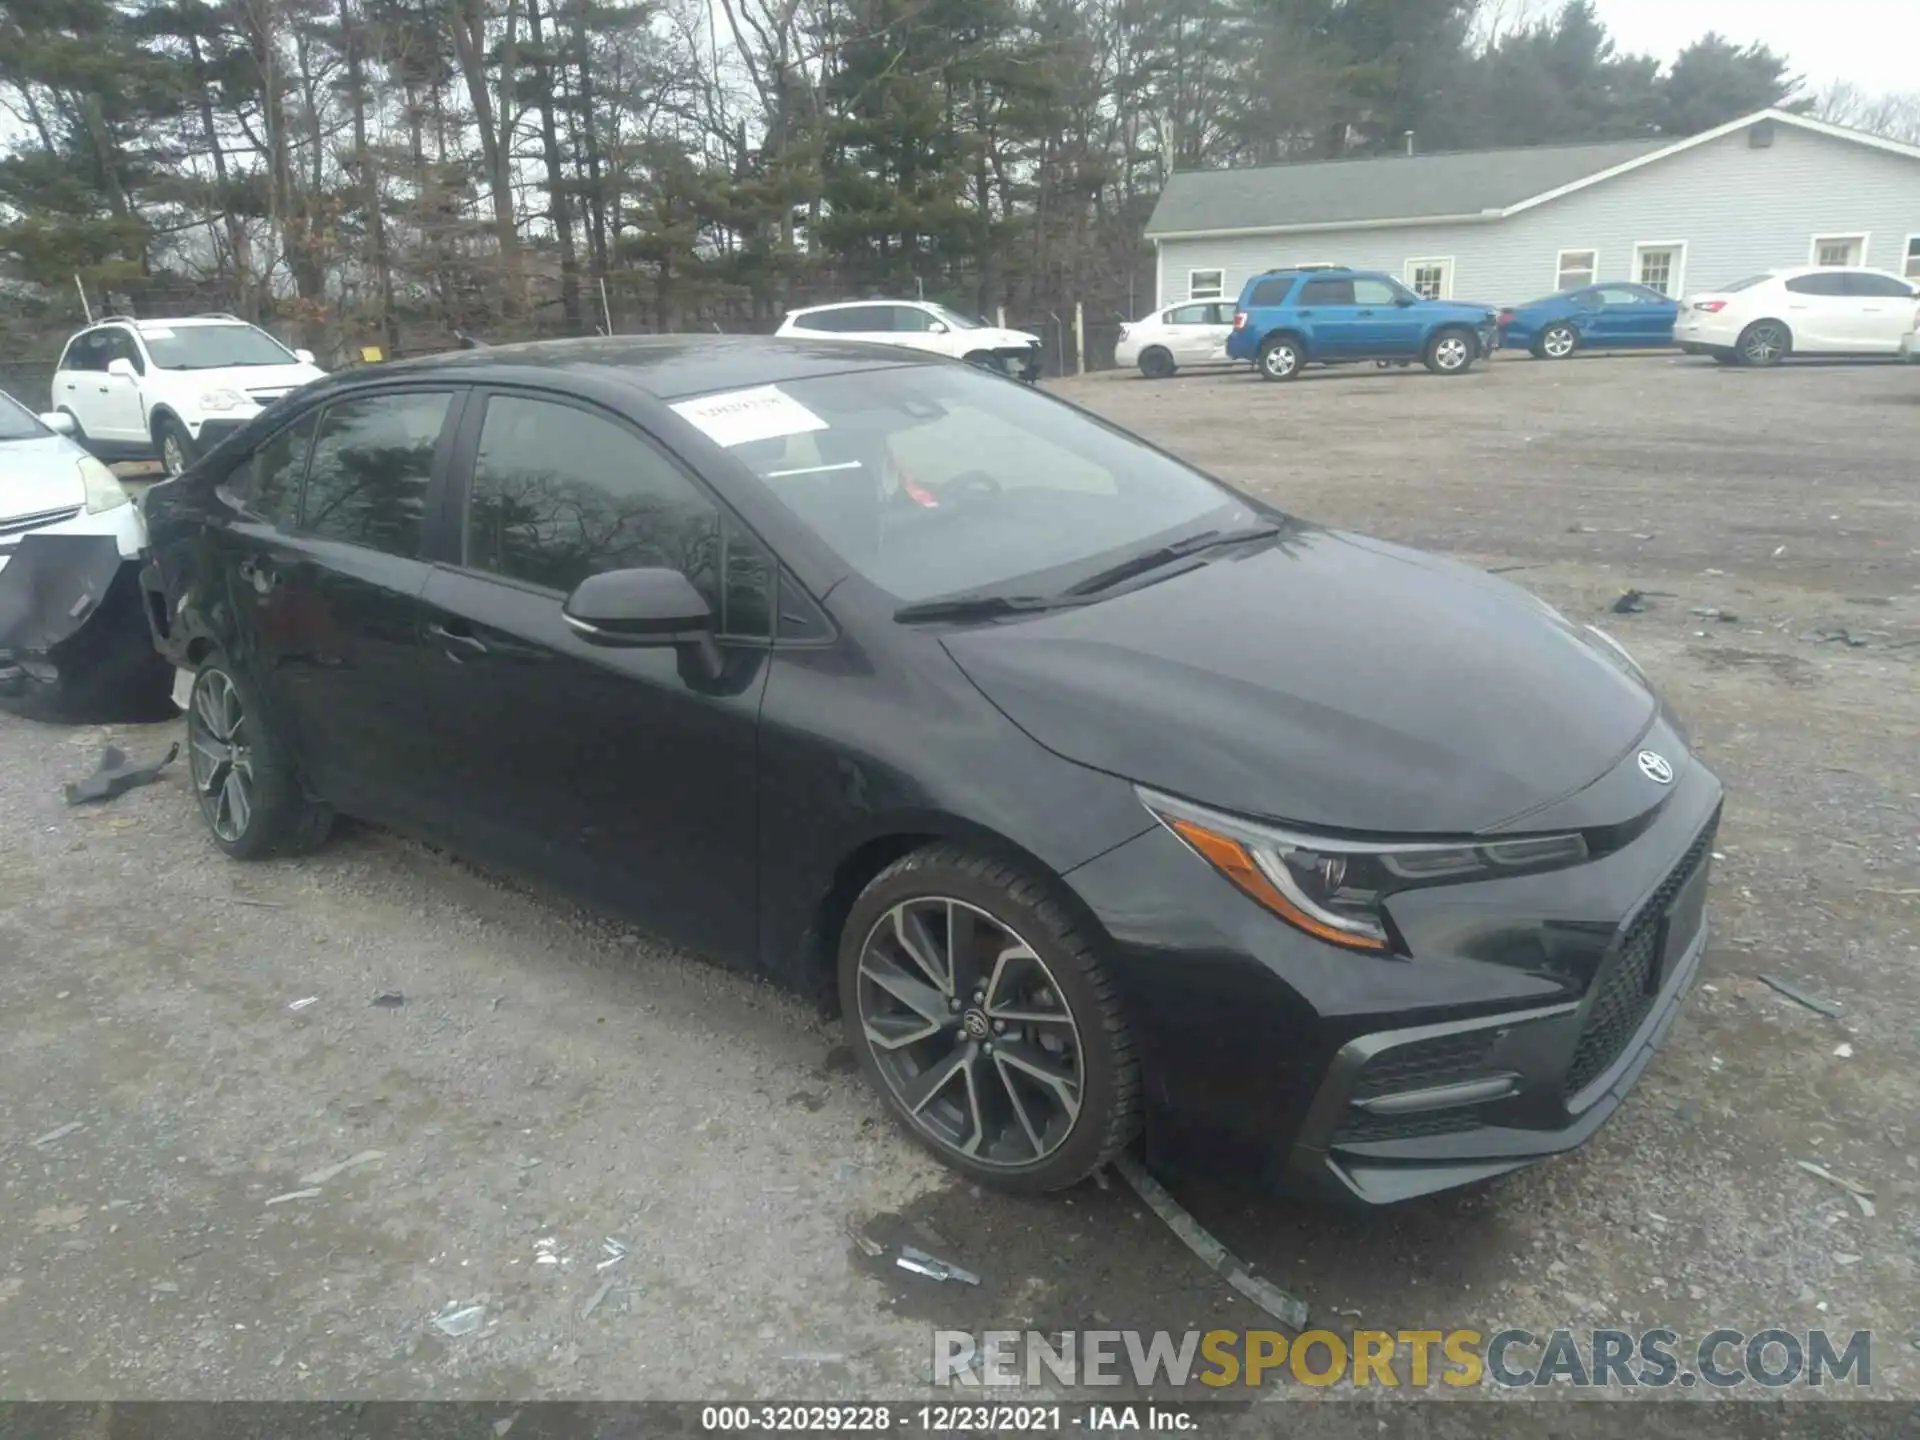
(172, 459)
(1559, 343)
(970, 1032)
(1280, 360)
(1451, 354)
(1763, 344)
(220, 757)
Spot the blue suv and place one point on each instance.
(1330, 315)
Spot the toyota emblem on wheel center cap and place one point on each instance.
(1656, 768)
(975, 1024)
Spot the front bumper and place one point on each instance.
(1021, 362)
(1527, 1010)
(123, 523)
(1489, 336)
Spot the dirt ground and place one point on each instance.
(552, 1080)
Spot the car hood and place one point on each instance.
(1328, 679)
(39, 475)
(1461, 309)
(249, 379)
(992, 336)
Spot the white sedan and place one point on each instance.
(1814, 310)
(1191, 334)
(49, 485)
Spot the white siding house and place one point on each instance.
(1503, 227)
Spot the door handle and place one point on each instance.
(452, 641)
(103, 389)
(1363, 314)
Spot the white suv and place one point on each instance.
(921, 325)
(1813, 310)
(172, 389)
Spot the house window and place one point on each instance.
(1576, 269)
(1843, 250)
(1205, 284)
(1430, 279)
(1911, 269)
(1660, 266)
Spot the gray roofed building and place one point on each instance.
(1501, 227)
(1333, 192)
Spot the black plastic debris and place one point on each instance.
(1828, 633)
(117, 775)
(1632, 602)
(1802, 997)
(388, 1000)
(51, 585)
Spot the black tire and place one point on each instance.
(1451, 351)
(282, 818)
(169, 436)
(1280, 359)
(1556, 342)
(1107, 1114)
(1726, 357)
(1764, 343)
(1156, 363)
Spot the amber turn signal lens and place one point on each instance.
(1231, 859)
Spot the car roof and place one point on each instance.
(849, 304)
(1794, 272)
(161, 322)
(668, 367)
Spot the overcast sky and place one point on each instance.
(1873, 43)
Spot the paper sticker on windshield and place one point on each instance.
(156, 332)
(739, 417)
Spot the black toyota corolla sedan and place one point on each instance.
(1098, 795)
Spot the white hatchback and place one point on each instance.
(1195, 333)
(172, 389)
(920, 325)
(1813, 310)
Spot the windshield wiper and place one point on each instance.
(976, 607)
(1153, 559)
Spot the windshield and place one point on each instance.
(19, 423)
(937, 480)
(212, 347)
(954, 319)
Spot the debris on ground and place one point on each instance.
(1801, 997)
(594, 1301)
(1631, 602)
(302, 1003)
(613, 1252)
(388, 1000)
(1828, 633)
(1860, 1194)
(934, 1268)
(1714, 612)
(340, 1167)
(867, 1245)
(58, 1134)
(815, 1357)
(1843, 1051)
(460, 1321)
(1289, 1310)
(310, 1193)
(116, 775)
(546, 1252)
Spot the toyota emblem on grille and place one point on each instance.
(1656, 768)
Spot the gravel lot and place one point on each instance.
(553, 1076)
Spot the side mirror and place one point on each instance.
(939, 327)
(60, 423)
(305, 357)
(639, 607)
(123, 368)
(1404, 301)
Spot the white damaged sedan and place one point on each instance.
(50, 486)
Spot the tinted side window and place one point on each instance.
(867, 317)
(560, 494)
(1327, 292)
(273, 475)
(827, 320)
(88, 352)
(1831, 283)
(1271, 292)
(372, 461)
(1877, 287)
(120, 346)
(905, 317)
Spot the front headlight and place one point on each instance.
(223, 400)
(1335, 889)
(104, 490)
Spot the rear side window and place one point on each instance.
(560, 494)
(1830, 282)
(372, 463)
(827, 321)
(87, 352)
(273, 475)
(1327, 292)
(1271, 292)
(1191, 315)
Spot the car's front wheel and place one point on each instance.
(174, 446)
(244, 774)
(983, 1015)
(1450, 352)
(1280, 359)
(1557, 342)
